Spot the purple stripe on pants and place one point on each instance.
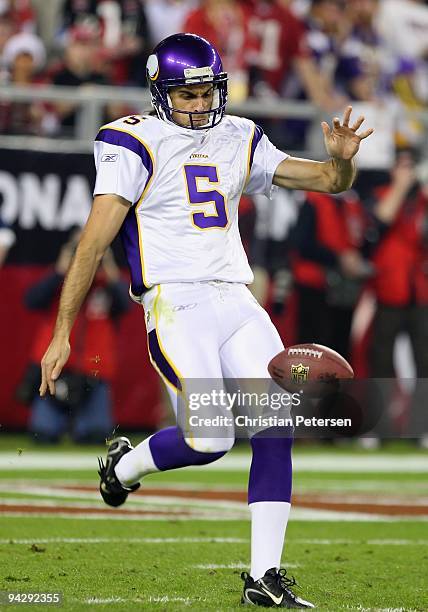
(161, 361)
(271, 467)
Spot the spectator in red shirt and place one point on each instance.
(224, 23)
(279, 38)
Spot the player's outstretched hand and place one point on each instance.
(52, 363)
(342, 140)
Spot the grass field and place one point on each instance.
(357, 538)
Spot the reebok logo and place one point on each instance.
(110, 157)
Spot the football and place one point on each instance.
(315, 366)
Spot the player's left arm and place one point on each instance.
(334, 175)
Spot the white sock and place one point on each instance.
(268, 524)
(135, 464)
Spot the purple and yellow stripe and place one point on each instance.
(255, 139)
(157, 353)
(130, 231)
(162, 363)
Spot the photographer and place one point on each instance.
(330, 266)
(82, 402)
(401, 281)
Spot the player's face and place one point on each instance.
(190, 99)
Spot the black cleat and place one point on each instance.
(272, 591)
(112, 491)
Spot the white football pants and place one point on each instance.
(208, 330)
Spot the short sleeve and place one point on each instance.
(123, 163)
(264, 158)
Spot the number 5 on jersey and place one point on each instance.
(193, 175)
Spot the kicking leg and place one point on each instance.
(187, 336)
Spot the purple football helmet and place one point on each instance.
(186, 59)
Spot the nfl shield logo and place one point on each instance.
(299, 373)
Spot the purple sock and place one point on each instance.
(169, 451)
(271, 467)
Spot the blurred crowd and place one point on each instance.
(348, 270)
(373, 52)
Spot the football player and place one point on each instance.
(171, 184)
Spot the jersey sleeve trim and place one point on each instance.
(122, 138)
(256, 136)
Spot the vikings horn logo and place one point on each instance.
(299, 373)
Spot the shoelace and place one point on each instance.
(283, 581)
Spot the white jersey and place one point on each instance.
(184, 186)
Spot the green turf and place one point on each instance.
(339, 565)
(382, 482)
(354, 573)
(15, 441)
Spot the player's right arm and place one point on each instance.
(106, 217)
